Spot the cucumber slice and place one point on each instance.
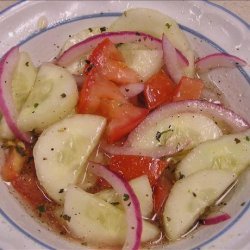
(230, 152)
(175, 130)
(22, 83)
(144, 61)
(23, 80)
(62, 150)
(142, 189)
(97, 221)
(76, 67)
(190, 196)
(155, 23)
(52, 98)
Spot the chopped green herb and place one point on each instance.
(27, 64)
(129, 204)
(114, 203)
(194, 194)
(103, 29)
(243, 203)
(168, 219)
(66, 217)
(20, 150)
(41, 208)
(168, 25)
(159, 134)
(63, 95)
(125, 197)
(61, 191)
(90, 29)
(247, 138)
(36, 105)
(237, 140)
(181, 176)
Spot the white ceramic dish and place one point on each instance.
(210, 28)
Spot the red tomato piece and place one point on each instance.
(158, 89)
(93, 90)
(188, 89)
(161, 192)
(108, 60)
(133, 166)
(27, 186)
(123, 118)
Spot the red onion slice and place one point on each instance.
(155, 152)
(183, 61)
(215, 219)
(131, 90)
(8, 109)
(216, 60)
(171, 60)
(78, 50)
(130, 203)
(216, 112)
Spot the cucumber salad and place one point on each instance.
(113, 143)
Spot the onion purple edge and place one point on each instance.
(6, 112)
(97, 168)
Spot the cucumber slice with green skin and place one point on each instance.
(62, 150)
(142, 60)
(174, 130)
(52, 98)
(22, 83)
(189, 198)
(155, 23)
(230, 152)
(142, 189)
(97, 221)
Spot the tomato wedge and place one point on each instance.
(101, 95)
(27, 186)
(188, 89)
(158, 89)
(161, 192)
(108, 60)
(95, 88)
(133, 166)
(123, 117)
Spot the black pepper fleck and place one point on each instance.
(237, 140)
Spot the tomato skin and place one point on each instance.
(93, 90)
(133, 166)
(108, 60)
(188, 89)
(161, 192)
(100, 94)
(158, 89)
(123, 116)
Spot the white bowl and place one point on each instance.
(210, 28)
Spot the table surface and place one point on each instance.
(240, 8)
